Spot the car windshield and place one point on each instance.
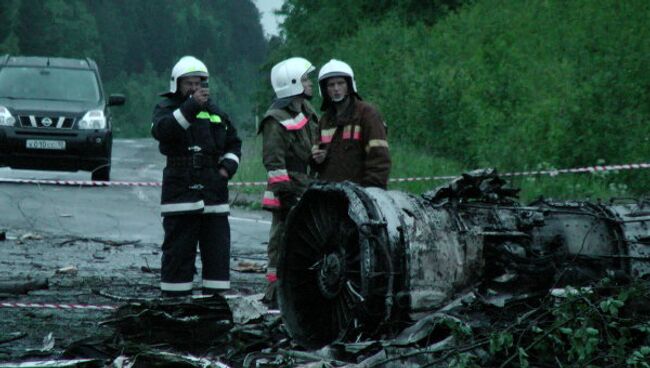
(48, 84)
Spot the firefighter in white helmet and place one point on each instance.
(289, 130)
(352, 132)
(203, 151)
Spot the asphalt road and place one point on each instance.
(89, 242)
(118, 213)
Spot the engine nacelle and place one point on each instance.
(361, 260)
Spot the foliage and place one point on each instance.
(135, 42)
(511, 85)
(602, 325)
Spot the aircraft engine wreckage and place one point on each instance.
(361, 260)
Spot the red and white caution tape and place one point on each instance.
(95, 183)
(587, 169)
(422, 178)
(56, 306)
(553, 172)
(66, 306)
(82, 183)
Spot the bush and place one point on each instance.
(511, 85)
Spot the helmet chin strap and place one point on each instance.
(340, 99)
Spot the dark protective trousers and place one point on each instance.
(275, 240)
(182, 234)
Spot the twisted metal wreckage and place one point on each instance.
(359, 261)
(370, 276)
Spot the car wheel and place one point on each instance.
(102, 173)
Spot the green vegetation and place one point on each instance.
(136, 43)
(514, 85)
(600, 326)
(463, 84)
(411, 161)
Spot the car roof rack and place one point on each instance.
(46, 61)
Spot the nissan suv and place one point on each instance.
(54, 115)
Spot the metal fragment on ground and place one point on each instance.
(180, 322)
(247, 308)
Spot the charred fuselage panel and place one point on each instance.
(358, 260)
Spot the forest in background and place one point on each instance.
(463, 84)
(136, 43)
(516, 85)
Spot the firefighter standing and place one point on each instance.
(290, 132)
(352, 132)
(203, 151)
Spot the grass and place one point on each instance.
(412, 161)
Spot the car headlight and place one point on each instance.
(6, 119)
(94, 119)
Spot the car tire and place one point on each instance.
(102, 173)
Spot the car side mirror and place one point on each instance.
(116, 99)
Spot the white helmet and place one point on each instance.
(335, 68)
(187, 66)
(285, 76)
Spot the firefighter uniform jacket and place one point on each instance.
(289, 137)
(197, 143)
(356, 146)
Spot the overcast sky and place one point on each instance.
(269, 21)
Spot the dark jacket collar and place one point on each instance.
(347, 114)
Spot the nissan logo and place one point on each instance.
(46, 122)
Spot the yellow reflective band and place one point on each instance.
(206, 115)
(193, 69)
(376, 143)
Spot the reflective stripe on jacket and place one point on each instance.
(356, 144)
(207, 141)
(288, 136)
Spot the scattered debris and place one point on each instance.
(67, 270)
(181, 322)
(361, 262)
(245, 266)
(23, 287)
(462, 276)
(111, 243)
(11, 336)
(48, 342)
(76, 363)
(147, 269)
(162, 359)
(247, 308)
(30, 236)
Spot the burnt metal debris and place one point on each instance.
(371, 278)
(363, 262)
(190, 323)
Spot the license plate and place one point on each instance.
(45, 144)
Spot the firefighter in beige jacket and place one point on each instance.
(290, 134)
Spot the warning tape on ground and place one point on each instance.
(550, 172)
(56, 306)
(67, 306)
